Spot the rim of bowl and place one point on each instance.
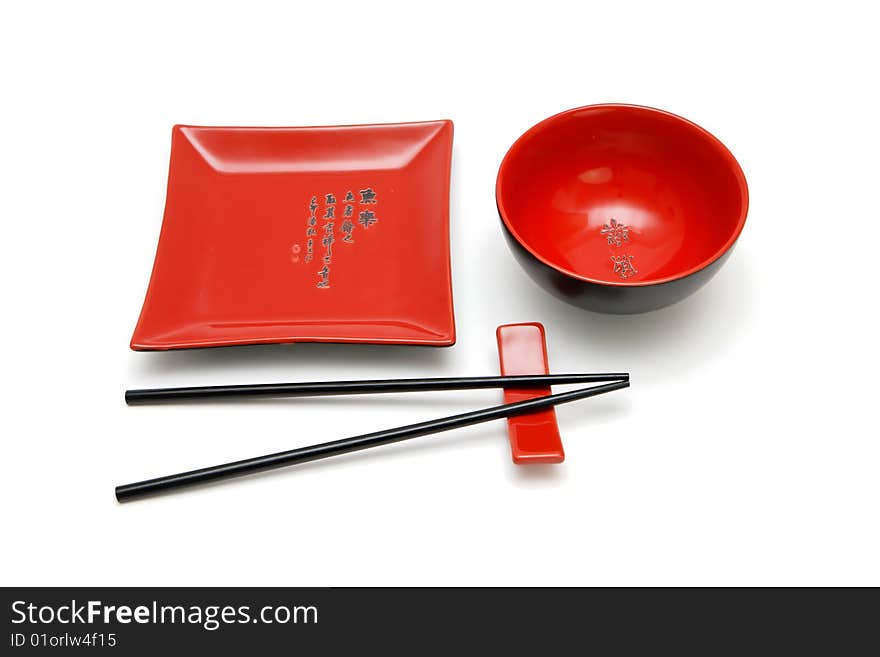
(725, 152)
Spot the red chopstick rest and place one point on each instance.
(534, 438)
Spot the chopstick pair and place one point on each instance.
(140, 489)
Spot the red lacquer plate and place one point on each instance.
(320, 234)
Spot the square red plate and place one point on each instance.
(322, 234)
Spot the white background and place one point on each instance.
(746, 451)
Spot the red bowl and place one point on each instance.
(620, 208)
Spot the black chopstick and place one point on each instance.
(156, 395)
(139, 489)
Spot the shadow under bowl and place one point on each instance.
(620, 208)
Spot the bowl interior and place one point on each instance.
(622, 194)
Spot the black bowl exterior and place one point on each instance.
(613, 299)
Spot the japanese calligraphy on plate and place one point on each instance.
(358, 212)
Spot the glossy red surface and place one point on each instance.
(622, 195)
(235, 264)
(534, 438)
